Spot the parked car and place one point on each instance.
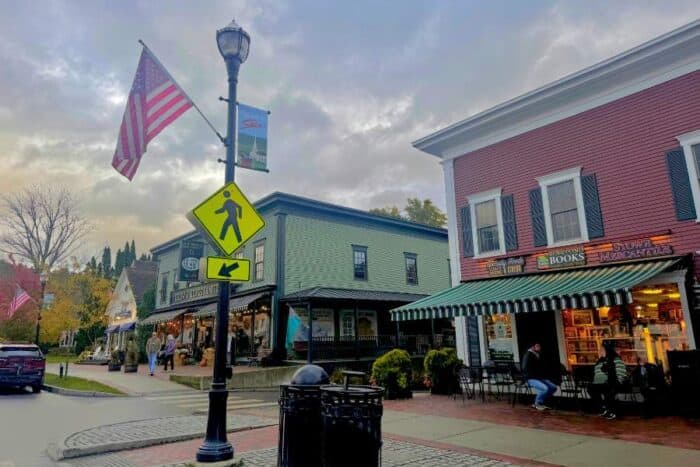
(22, 365)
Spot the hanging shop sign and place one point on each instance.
(195, 293)
(506, 266)
(190, 252)
(562, 258)
(635, 249)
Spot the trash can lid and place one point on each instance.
(310, 375)
(353, 389)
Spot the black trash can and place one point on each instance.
(300, 418)
(352, 426)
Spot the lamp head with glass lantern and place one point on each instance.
(234, 45)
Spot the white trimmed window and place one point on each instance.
(487, 223)
(564, 212)
(691, 150)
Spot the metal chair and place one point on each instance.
(499, 376)
(571, 389)
(470, 379)
(520, 386)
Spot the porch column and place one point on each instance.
(432, 333)
(357, 344)
(252, 332)
(309, 357)
(398, 335)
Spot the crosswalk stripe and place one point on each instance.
(193, 404)
(168, 399)
(239, 407)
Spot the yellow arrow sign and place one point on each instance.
(227, 269)
(228, 218)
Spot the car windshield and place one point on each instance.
(19, 352)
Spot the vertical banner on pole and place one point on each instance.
(252, 138)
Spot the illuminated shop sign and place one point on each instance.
(506, 266)
(563, 258)
(635, 249)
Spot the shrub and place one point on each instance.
(392, 371)
(440, 367)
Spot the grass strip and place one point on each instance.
(78, 384)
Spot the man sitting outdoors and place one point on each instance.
(536, 376)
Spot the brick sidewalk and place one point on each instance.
(671, 431)
(258, 448)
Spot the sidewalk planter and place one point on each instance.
(115, 361)
(392, 371)
(440, 369)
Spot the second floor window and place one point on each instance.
(563, 210)
(563, 207)
(359, 262)
(164, 288)
(487, 226)
(411, 268)
(259, 262)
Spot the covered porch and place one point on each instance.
(348, 323)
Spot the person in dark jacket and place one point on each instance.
(536, 376)
(609, 373)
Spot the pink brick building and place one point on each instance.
(579, 200)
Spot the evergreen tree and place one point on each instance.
(118, 263)
(92, 265)
(107, 262)
(100, 270)
(133, 251)
(144, 257)
(127, 255)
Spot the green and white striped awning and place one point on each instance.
(581, 288)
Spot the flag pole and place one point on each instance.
(221, 138)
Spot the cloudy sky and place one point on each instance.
(349, 85)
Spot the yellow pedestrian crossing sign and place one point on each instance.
(228, 269)
(228, 218)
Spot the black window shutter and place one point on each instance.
(509, 228)
(467, 242)
(591, 203)
(680, 185)
(539, 231)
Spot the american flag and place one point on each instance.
(21, 297)
(155, 101)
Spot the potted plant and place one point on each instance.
(440, 368)
(115, 362)
(392, 371)
(131, 363)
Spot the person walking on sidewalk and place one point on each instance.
(169, 355)
(609, 373)
(536, 376)
(152, 349)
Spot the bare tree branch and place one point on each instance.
(42, 226)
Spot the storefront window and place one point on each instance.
(643, 331)
(499, 332)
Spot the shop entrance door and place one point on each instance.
(539, 326)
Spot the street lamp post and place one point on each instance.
(43, 278)
(234, 44)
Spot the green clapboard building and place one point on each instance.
(348, 267)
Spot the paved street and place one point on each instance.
(35, 419)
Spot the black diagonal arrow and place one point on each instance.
(226, 271)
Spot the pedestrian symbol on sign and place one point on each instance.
(233, 212)
(227, 218)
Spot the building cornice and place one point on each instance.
(662, 59)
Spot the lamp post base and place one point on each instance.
(215, 451)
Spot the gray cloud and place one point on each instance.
(348, 92)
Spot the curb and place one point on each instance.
(59, 453)
(76, 393)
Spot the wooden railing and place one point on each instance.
(331, 348)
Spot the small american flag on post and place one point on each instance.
(155, 101)
(21, 297)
